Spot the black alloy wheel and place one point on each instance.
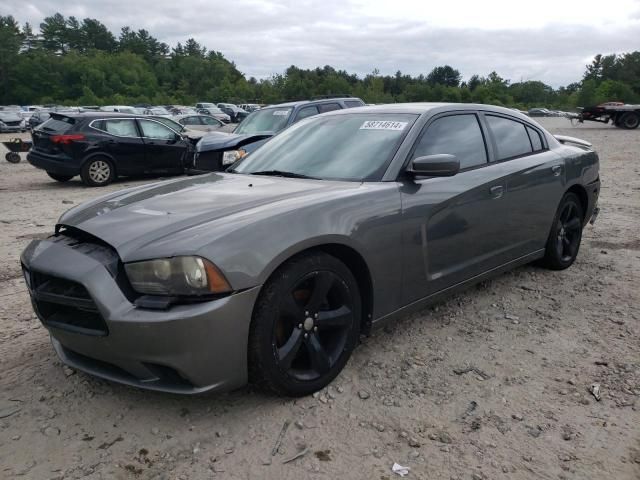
(566, 234)
(305, 325)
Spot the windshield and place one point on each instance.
(268, 120)
(355, 147)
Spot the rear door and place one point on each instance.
(450, 228)
(123, 143)
(164, 149)
(533, 179)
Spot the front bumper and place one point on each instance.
(186, 349)
(12, 129)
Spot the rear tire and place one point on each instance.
(565, 235)
(97, 172)
(629, 120)
(305, 325)
(60, 178)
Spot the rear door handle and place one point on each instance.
(557, 170)
(497, 191)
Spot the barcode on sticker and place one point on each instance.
(283, 113)
(382, 125)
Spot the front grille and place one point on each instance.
(13, 124)
(65, 304)
(209, 161)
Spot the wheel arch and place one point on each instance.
(582, 195)
(354, 261)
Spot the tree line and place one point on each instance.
(80, 62)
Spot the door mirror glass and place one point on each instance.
(439, 165)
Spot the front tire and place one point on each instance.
(60, 178)
(98, 172)
(566, 234)
(305, 325)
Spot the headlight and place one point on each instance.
(177, 276)
(231, 156)
(23, 123)
(2, 124)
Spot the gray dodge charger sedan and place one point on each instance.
(271, 271)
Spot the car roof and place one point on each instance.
(95, 114)
(424, 107)
(310, 102)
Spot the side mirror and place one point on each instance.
(439, 165)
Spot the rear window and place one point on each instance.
(57, 124)
(536, 142)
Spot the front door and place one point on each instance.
(451, 231)
(165, 150)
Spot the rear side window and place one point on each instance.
(121, 127)
(190, 121)
(353, 103)
(57, 125)
(306, 112)
(458, 135)
(328, 107)
(510, 136)
(536, 141)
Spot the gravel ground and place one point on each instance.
(531, 343)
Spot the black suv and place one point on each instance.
(100, 146)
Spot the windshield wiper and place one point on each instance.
(282, 173)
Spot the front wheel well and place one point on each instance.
(358, 267)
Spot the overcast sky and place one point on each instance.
(547, 40)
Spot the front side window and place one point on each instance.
(458, 135)
(510, 136)
(355, 147)
(156, 130)
(306, 112)
(121, 127)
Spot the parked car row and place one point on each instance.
(100, 146)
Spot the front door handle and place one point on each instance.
(557, 170)
(497, 191)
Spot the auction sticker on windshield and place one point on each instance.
(382, 125)
(283, 113)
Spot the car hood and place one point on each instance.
(135, 218)
(9, 117)
(215, 141)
